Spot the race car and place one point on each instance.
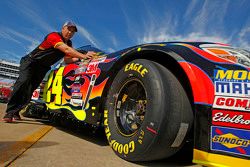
(5, 92)
(153, 98)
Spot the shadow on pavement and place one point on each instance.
(180, 159)
(86, 133)
(98, 137)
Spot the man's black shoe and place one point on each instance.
(16, 117)
(8, 117)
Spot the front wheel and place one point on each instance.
(148, 114)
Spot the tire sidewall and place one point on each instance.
(133, 147)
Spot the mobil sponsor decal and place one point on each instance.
(230, 140)
(232, 75)
(232, 83)
(233, 103)
(231, 119)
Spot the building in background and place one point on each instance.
(8, 74)
(8, 70)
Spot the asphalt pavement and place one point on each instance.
(33, 142)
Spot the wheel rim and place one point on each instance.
(130, 107)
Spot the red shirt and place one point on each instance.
(52, 40)
(46, 54)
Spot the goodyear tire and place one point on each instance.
(147, 114)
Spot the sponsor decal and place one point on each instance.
(35, 94)
(76, 95)
(136, 67)
(93, 65)
(232, 88)
(76, 102)
(234, 103)
(238, 75)
(231, 119)
(76, 99)
(230, 140)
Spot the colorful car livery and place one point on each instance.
(153, 98)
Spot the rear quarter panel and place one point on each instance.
(221, 90)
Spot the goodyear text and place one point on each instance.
(118, 147)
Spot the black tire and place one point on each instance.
(148, 114)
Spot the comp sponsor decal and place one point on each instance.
(233, 103)
(230, 140)
(231, 119)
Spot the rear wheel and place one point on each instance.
(148, 114)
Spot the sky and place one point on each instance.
(112, 25)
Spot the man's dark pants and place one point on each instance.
(31, 75)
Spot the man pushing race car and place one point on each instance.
(36, 64)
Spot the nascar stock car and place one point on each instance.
(5, 92)
(152, 98)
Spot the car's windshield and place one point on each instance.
(89, 48)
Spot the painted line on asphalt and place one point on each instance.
(12, 152)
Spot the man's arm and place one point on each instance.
(72, 54)
(68, 59)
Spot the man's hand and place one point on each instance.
(89, 55)
(72, 54)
